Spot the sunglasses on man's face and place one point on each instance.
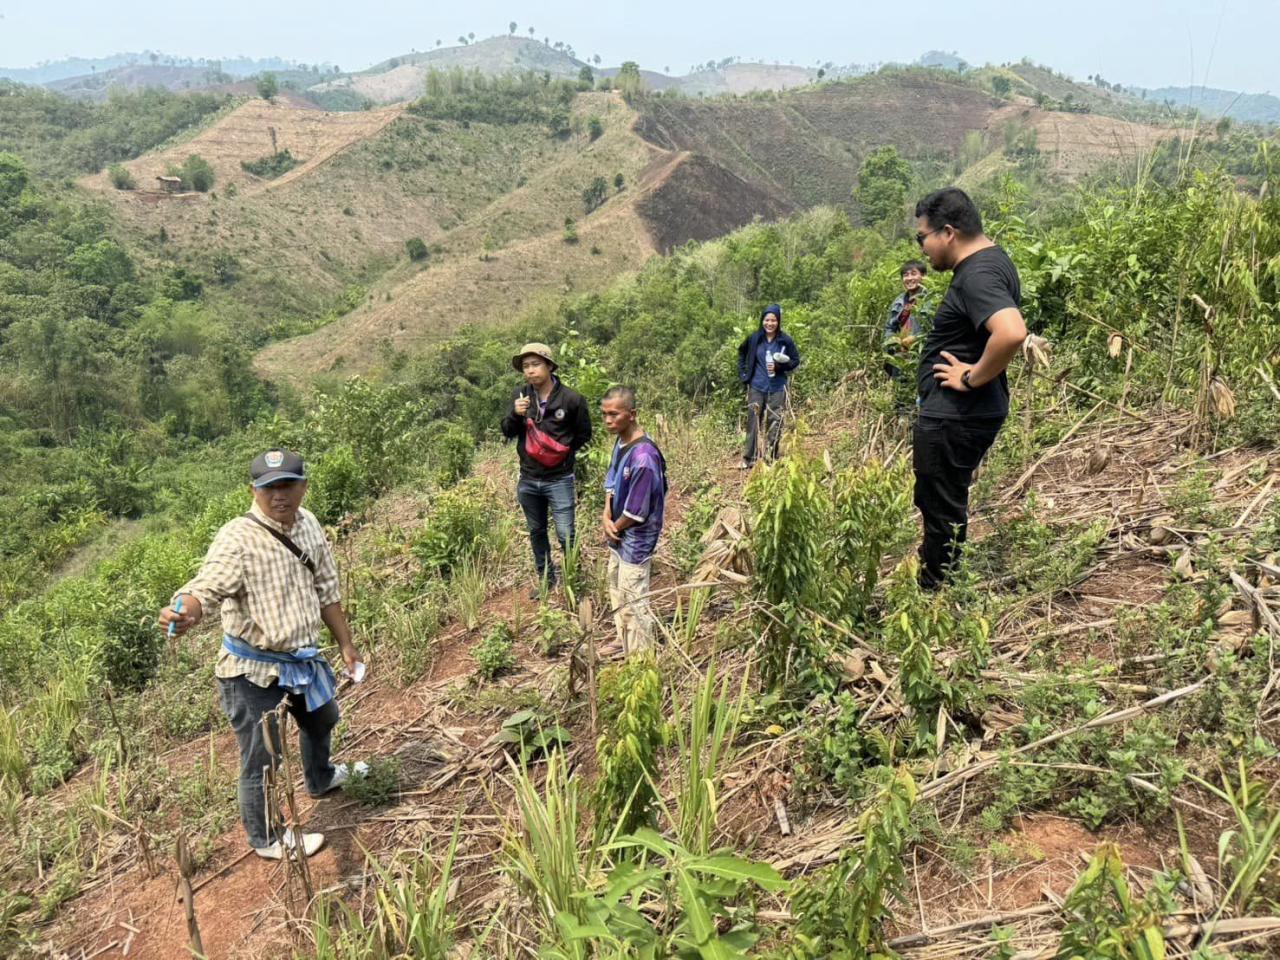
(920, 236)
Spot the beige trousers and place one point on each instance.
(629, 597)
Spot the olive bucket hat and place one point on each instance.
(533, 350)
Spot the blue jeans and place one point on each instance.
(535, 497)
(244, 703)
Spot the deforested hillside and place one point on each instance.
(808, 145)
(1071, 744)
(403, 78)
(341, 234)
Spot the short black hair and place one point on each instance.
(951, 207)
(913, 265)
(625, 394)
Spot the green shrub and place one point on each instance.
(594, 194)
(595, 128)
(632, 730)
(271, 166)
(570, 230)
(196, 173)
(1106, 919)
(842, 910)
(872, 512)
(493, 655)
(791, 514)
(451, 454)
(378, 786)
(120, 177)
(268, 86)
(456, 528)
(337, 484)
(415, 248)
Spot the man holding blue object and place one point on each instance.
(272, 574)
(635, 492)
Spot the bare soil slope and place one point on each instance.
(808, 145)
(244, 135)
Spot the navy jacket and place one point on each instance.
(747, 352)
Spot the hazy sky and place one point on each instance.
(1222, 43)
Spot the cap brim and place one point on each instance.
(275, 477)
(518, 361)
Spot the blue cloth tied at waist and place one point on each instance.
(303, 672)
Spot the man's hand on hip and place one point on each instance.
(950, 374)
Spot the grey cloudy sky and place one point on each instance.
(1221, 43)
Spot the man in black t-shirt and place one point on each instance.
(964, 395)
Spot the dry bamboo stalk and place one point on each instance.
(941, 785)
(1018, 484)
(295, 859)
(185, 869)
(584, 626)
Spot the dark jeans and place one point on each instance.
(535, 497)
(764, 409)
(244, 703)
(945, 454)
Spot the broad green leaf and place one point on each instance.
(738, 869)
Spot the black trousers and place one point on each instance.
(945, 454)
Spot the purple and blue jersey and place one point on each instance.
(637, 478)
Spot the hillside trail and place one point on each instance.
(450, 767)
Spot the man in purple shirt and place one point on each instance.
(635, 491)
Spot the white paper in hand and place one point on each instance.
(357, 672)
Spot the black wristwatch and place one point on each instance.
(964, 378)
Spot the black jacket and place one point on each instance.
(567, 419)
(747, 350)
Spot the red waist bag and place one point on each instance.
(543, 447)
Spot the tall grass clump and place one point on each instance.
(542, 856)
(411, 915)
(704, 733)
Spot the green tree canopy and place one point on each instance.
(882, 185)
(268, 86)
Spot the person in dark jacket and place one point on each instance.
(550, 423)
(903, 324)
(765, 361)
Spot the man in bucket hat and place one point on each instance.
(550, 423)
(272, 574)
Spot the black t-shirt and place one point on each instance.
(983, 283)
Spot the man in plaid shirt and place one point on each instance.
(272, 574)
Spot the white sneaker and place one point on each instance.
(344, 771)
(311, 844)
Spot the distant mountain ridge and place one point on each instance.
(73, 67)
(400, 78)
(1214, 103)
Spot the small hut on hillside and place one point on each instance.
(170, 184)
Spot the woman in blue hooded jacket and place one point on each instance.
(765, 361)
